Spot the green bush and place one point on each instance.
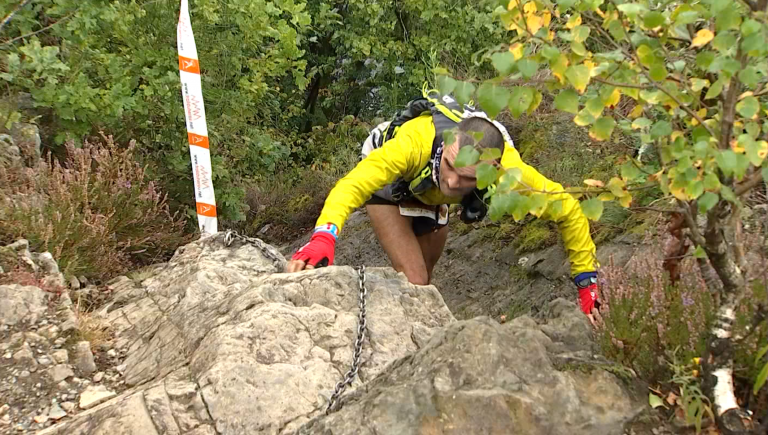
(97, 212)
(647, 318)
(291, 200)
(269, 74)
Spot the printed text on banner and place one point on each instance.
(197, 130)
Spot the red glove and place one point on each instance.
(587, 284)
(319, 251)
(588, 298)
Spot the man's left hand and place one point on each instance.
(589, 300)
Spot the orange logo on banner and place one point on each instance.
(197, 140)
(206, 209)
(189, 65)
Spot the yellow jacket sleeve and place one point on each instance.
(573, 225)
(402, 156)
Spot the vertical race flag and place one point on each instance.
(197, 131)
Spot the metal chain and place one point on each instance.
(334, 404)
(232, 235)
(362, 327)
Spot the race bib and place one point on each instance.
(412, 209)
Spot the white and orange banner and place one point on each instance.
(197, 130)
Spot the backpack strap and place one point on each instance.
(414, 109)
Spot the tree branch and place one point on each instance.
(729, 106)
(13, 12)
(584, 191)
(621, 85)
(655, 83)
(751, 182)
(11, 41)
(690, 220)
(658, 210)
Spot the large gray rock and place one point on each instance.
(480, 377)
(219, 343)
(217, 339)
(19, 303)
(10, 154)
(27, 138)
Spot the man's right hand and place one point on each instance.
(318, 252)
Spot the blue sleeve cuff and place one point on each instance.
(584, 279)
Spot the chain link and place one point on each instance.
(231, 235)
(334, 404)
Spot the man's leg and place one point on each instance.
(395, 234)
(432, 245)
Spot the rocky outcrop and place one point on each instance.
(219, 342)
(39, 383)
(481, 377)
(21, 303)
(21, 146)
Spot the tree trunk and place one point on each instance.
(309, 104)
(718, 363)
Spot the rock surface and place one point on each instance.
(35, 376)
(217, 342)
(480, 377)
(21, 303)
(84, 358)
(95, 395)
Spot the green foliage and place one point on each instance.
(762, 376)
(291, 200)
(98, 214)
(270, 72)
(694, 404)
(603, 56)
(467, 156)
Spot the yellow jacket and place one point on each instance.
(410, 151)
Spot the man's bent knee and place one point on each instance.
(416, 277)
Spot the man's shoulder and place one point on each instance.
(421, 126)
(415, 135)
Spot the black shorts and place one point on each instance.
(421, 224)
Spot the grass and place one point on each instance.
(140, 275)
(90, 328)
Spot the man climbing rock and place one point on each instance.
(407, 177)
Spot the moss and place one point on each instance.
(518, 273)
(573, 367)
(624, 373)
(460, 228)
(612, 223)
(499, 234)
(536, 235)
(516, 310)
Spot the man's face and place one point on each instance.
(455, 181)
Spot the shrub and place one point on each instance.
(97, 212)
(647, 318)
(291, 199)
(289, 203)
